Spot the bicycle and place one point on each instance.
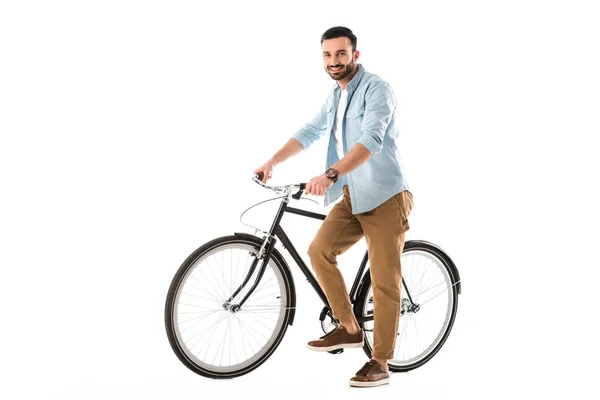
(208, 322)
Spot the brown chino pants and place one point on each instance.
(383, 229)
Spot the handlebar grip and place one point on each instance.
(259, 176)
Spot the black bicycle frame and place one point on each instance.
(277, 231)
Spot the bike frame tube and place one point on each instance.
(358, 279)
(277, 230)
(294, 253)
(288, 244)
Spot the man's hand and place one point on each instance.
(266, 169)
(318, 185)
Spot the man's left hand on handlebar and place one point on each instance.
(318, 185)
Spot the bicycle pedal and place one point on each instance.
(336, 351)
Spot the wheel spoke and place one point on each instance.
(200, 290)
(216, 294)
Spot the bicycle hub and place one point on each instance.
(232, 308)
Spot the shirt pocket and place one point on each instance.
(354, 120)
(355, 112)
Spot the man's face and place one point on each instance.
(338, 57)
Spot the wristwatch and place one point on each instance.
(332, 174)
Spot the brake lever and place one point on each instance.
(297, 195)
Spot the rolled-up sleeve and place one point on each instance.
(380, 104)
(313, 130)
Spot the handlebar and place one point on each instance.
(279, 189)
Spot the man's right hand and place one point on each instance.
(266, 169)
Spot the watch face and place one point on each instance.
(331, 173)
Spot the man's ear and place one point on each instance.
(356, 54)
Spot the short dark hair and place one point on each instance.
(339, 31)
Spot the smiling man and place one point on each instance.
(364, 166)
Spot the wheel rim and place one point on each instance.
(430, 285)
(214, 338)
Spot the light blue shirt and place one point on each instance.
(371, 121)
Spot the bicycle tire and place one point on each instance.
(451, 270)
(275, 261)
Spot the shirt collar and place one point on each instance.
(355, 79)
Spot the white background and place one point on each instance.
(130, 130)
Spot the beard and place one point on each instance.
(341, 74)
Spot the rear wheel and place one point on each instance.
(425, 323)
(212, 337)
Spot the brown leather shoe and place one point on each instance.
(339, 338)
(371, 374)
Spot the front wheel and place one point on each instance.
(210, 335)
(426, 321)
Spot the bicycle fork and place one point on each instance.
(264, 254)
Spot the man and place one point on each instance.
(363, 165)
